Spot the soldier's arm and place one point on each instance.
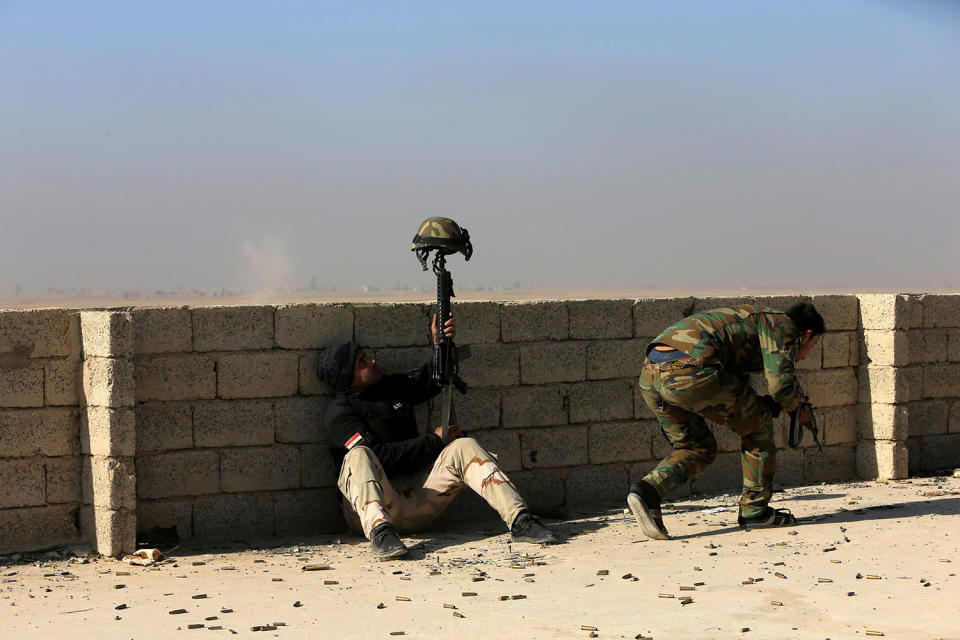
(347, 430)
(778, 344)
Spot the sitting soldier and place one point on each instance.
(393, 477)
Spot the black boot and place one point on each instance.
(769, 519)
(526, 528)
(644, 502)
(385, 542)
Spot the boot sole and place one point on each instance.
(645, 518)
(393, 554)
(550, 540)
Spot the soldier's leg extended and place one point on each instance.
(737, 406)
(672, 393)
(462, 463)
(370, 498)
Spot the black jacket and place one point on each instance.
(381, 416)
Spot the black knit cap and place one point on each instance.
(335, 365)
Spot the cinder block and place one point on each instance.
(106, 334)
(941, 380)
(309, 383)
(553, 447)
(109, 483)
(392, 325)
(837, 348)
(953, 345)
(597, 485)
(257, 375)
(108, 432)
(40, 333)
(889, 311)
(913, 455)
(552, 362)
(838, 424)
(23, 482)
(63, 480)
(727, 439)
(186, 377)
(505, 445)
(830, 387)
(541, 488)
(886, 347)
(600, 319)
(927, 345)
(941, 310)
(180, 473)
(478, 409)
(534, 406)
(233, 517)
(308, 512)
(22, 387)
(619, 442)
(233, 423)
(317, 466)
(724, 475)
(601, 400)
(401, 360)
(882, 421)
(719, 302)
(153, 517)
(113, 533)
(533, 321)
(39, 432)
(940, 453)
(929, 417)
(492, 365)
(108, 382)
(313, 326)
(33, 528)
(260, 468)
(615, 359)
(881, 460)
(840, 312)
(61, 382)
(477, 322)
(300, 419)
(653, 315)
(954, 422)
(233, 328)
(163, 330)
(164, 427)
(835, 464)
(790, 465)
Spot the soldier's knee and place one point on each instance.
(464, 444)
(708, 450)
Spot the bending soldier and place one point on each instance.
(696, 369)
(391, 476)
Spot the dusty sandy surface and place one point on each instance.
(872, 556)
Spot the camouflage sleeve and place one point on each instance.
(778, 345)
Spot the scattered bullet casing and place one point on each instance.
(177, 611)
(199, 596)
(586, 627)
(403, 599)
(450, 606)
(665, 595)
(627, 576)
(330, 582)
(873, 577)
(518, 596)
(228, 568)
(687, 588)
(457, 614)
(195, 626)
(504, 597)
(824, 579)
(120, 607)
(687, 600)
(603, 572)
(398, 633)
(121, 586)
(699, 584)
(776, 603)
(467, 594)
(874, 633)
(315, 567)
(226, 610)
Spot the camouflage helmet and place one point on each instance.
(442, 234)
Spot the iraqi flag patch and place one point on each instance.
(354, 440)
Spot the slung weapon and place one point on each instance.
(795, 435)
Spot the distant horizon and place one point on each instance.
(250, 146)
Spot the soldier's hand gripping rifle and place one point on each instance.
(446, 237)
(795, 435)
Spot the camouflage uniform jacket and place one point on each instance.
(742, 339)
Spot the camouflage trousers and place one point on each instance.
(411, 502)
(681, 393)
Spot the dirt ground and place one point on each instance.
(867, 559)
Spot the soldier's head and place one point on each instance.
(347, 365)
(810, 323)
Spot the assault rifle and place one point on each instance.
(446, 237)
(795, 435)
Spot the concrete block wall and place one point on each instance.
(205, 422)
(40, 458)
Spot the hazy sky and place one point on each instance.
(635, 144)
